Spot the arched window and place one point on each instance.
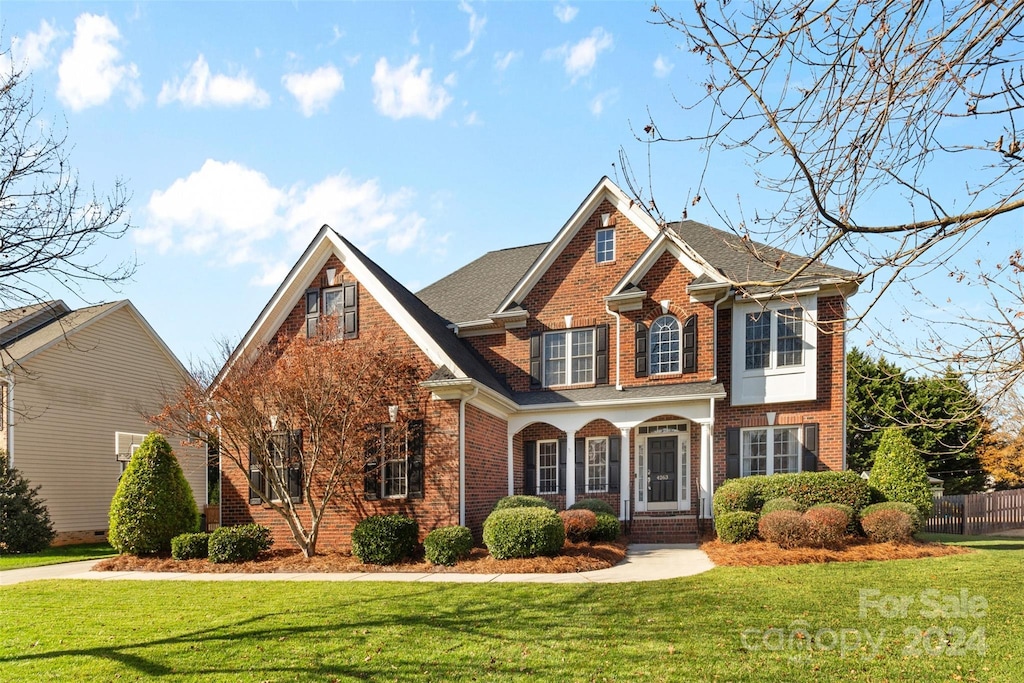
(665, 345)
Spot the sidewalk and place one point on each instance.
(642, 563)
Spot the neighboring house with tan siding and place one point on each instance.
(75, 389)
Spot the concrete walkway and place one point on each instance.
(642, 563)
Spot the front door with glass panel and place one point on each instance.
(662, 469)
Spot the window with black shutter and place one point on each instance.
(535, 359)
(279, 458)
(343, 304)
(689, 345)
(394, 463)
(640, 350)
(312, 312)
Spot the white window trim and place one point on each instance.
(781, 384)
(567, 339)
(770, 450)
(557, 482)
(679, 351)
(597, 241)
(587, 466)
(773, 368)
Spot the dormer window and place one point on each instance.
(606, 245)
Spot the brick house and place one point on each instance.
(616, 361)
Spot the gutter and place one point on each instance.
(618, 337)
(9, 379)
(462, 454)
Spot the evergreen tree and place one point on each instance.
(899, 472)
(875, 399)
(25, 525)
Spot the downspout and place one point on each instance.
(714, 341)
(618, 338)
(9, 379)
(462, 454)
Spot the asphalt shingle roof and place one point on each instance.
(59, 327)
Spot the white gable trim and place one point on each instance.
(664, 242)
(605, 189)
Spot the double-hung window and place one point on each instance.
(597, 465)
(569, 357)
(394, 483)
(394, 461)
(770, 450)
(547, 467)
(343, 304)
(275, 465)
(605, 245)
(774, 338)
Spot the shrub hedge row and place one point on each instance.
(806, 488)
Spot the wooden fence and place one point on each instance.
(977, 513)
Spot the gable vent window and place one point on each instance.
(343, 303)
(605, 245)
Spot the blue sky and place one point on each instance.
(427, 133)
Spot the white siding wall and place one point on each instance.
(72, 398)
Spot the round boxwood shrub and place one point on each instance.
(737, 495)
(912, 510)
(780, 504)
(851, 518)
(510, 502)
(888, 526)
(25, 525)
(899, 474)
(384, 539)
(238, 543)
(787, 528)
(447, 545)
(595, 505)
(607, 529)
(826, 527)
(523, 532)
(153, 502)
(579, 524)
(190, 546)
(736, 527)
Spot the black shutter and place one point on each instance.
(810, 448)
(601, 354)
(312, 312)
(371, 467)
(581, 465)
(535, 359)
(295, 465)
(255, 478)
(529, 468)
(688, 352)
(732, 453)
(614, 463)
(641, 349)
(562, 451)
(350, 310)
(415, 462)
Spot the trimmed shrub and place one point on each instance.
(511, 502)
(238, 543)
(523, 532)
(899, 473)
(915, 515)
(190, 546)
(595, 505)
(153, 502)
(826, 527)
(888, 526)
(579, 524)
(737, 495)
(787, 528)
(780, 504)
(25, 525)
(447, 545)
(607, 529)
(736, 527)
(851, 518)
(384, 539)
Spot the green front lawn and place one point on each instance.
(57, 555)
(811, 622)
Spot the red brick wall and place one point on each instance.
(486, 465)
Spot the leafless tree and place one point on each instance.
(51, 228)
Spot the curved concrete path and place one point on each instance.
(642, 563)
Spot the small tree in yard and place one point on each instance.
(296, 419)
(153, 502)
(25, 525)
(899, 473)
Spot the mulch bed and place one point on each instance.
(575, 557)
(762, 553)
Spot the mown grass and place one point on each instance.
(686, 629)
(57, 555)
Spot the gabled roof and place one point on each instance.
(425, 327)
(17, 322)
(668, 242)
(474, 291)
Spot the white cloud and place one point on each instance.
(315, 90)
(662, 67)
(91, 70)
(32, 50)
(201, 88)
(579, 59)
(414, 39)
(473, 119)
(503, 61)
(566, 12)
(403, 91)
(476, 27)
(602, 100)
(235, 215)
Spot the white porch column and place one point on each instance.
(625, 463)
(706, 469)
(570, 467)
(511, 464)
